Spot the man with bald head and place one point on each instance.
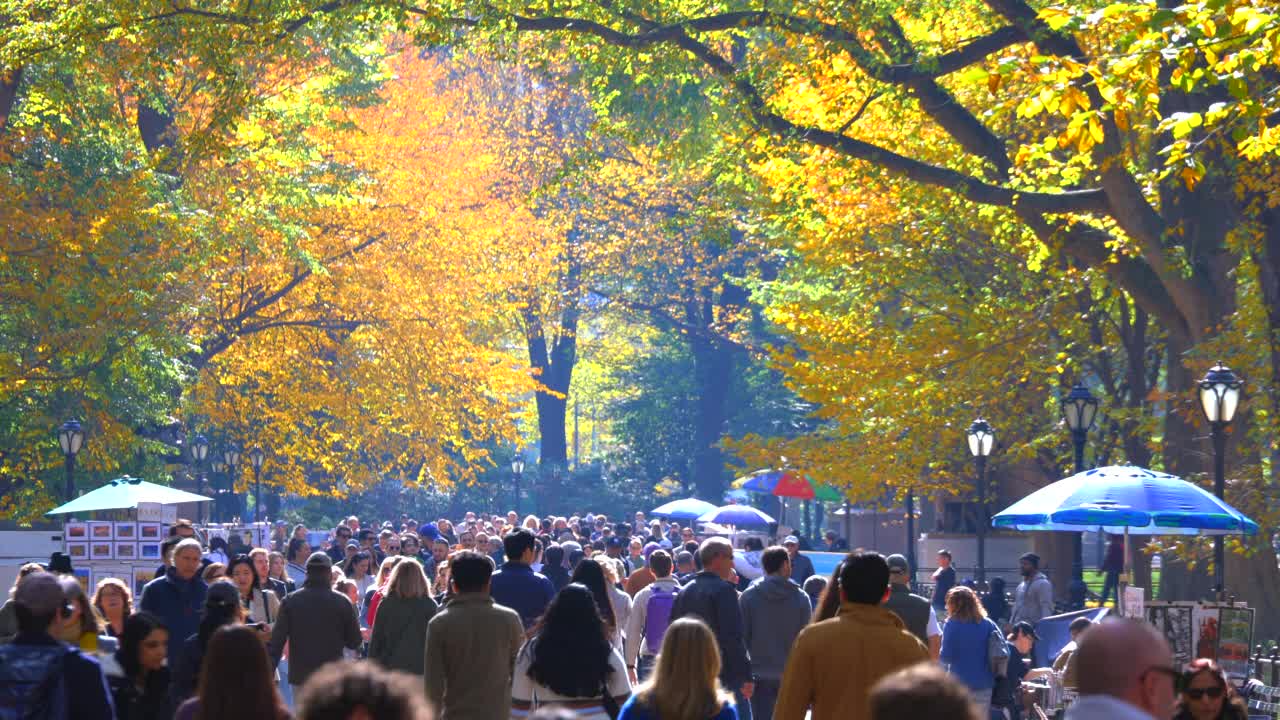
(1124, 671)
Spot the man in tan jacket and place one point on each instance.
(835, 663)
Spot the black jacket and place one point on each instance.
(150, 703)
(317, 622)
(716, 602)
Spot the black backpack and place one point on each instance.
(33, 681)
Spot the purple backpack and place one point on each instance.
(657, 616)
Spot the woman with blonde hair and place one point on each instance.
(685, 682)
(114, 602)
(621, 601)
(965, 645)
(400, 627)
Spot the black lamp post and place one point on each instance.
(1080, 411)
(71, 438)
(1219, 397)
(199, 451)
(256, 456)
(231, 456)
(982, 438)
(517, 470)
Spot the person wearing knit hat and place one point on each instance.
(317, 622)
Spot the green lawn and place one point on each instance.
(1094, 579)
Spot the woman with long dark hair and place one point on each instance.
(221, 607)
(828, 605)
(570, 662)
(1206, 694)
(260, 606)
(142, 692)
(236, 680)
(359, 569)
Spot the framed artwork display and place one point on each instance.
(150, 531)
(84, 576)
(142, 576)
(1235, 638)
(126, 550)
(78, 551)
(149, 551)
(99, 530)
(126, 531)
(75, 531)
(101, 550)
(1175, 623)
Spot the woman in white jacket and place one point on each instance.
(260, 606)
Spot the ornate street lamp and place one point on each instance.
(71, 438)
(231, 456)
(982, 439)
(1080, 411)
(517, 470)
(256, 456)
(1219, 398)
(199, 451)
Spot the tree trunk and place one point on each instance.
(713, 364)
(10, 80)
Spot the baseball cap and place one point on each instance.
(614, 541)
(353, 544)
(791, 540)
(648, 549)
(1032, 558)
(898, 564)
(1025, 628)
(319, 559)
(41, 593)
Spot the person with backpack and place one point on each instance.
(650, 616)
(40, 677)
(774, 611)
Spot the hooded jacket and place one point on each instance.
(177, 603)
(774, 611)
(835, 663)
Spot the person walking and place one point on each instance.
(1112, 565)
(685, 684)
(554, 568)
(650, 617)
(516, 585)
(944, 578)
(801, 566)
(362, 691)
(337, 550)
(472, 643)
(569, 661)
(774, 611)
(915, 611)
(141, 689)
(34, 659)
(299, 551)
(712, 598)
(400, 631)
(236, 681)
(221, 607)
(178, 596)
(966, 645)
(115, 603)
(1126, 673)
(995, 602)
(316, 621)
(1033, 598)
(260, 606)
(835, 662)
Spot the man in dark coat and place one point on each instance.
(178, 597)
(317, 622)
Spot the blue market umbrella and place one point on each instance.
(1125, 498)
(761, 481)
(686, 509)
(736, 515)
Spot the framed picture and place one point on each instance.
(149, 531)
(101, 550)
(126, 550)
(1174, 622)
(1235, 638)
(77, 551)
(74, 531)
(149, 551)
(99, 530)
(126, 531)
(142, 576)
(84, 575)
(1205, 628)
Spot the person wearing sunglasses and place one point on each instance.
(1206, 694)
(1124, 672)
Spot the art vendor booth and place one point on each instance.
(1135, 501)
(116, 530)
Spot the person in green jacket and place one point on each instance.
(400, 625)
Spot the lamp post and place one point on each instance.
(256, 456)
(517, 470)
(71, 438)
(982, 438)
(1080, 411)
(231, 456)
(199, 451)
(1219, 397)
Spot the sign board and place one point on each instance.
(150, 512)
(1134, 599)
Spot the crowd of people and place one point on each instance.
(497, 617)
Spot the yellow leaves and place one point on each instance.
(1055, 17)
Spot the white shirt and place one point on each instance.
(933, 629)
(524, 690)
(1103, 707)
(621, 603)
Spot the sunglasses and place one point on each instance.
(1196, 693)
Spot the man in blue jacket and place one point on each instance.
(516, 585)
(713, 599)
(178, 597)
